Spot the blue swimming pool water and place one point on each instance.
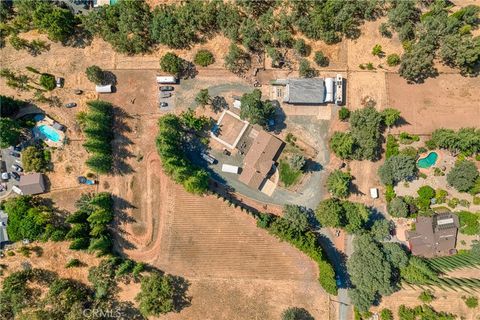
(49, 133)
(428, 161)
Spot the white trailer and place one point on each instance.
(166, 79)
(230, 168)
(104, 89)
(329, 89)
(339, 90)
(374, 193)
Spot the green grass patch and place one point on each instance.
(469, 223)
(288, 175)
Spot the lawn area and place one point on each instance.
(469, 223)
(288, 175)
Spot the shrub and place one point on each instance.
(305, 70)
(288, 175)
(95, 75)
(389, 193)
(302, 48)
(320, 59)
(452, 203)
(338, 183)
(204, 58)
(426, 296)
(237, 60)
(48, 81)
(426, 192)
(398, 208)
(471, 302)
(440, 196)
(343, 113)
(393, 59)
(72, 263)
(462, 176)
(391, 148)
(369, 66)
(35, 158)
(377, 50)
(386, 314)
(156, 295)
(476, 200)
(294, 313)
(171, 63)
(469, 223)
(384, 32)
(407, 138)
(297, 161)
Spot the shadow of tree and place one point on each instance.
(121, 142)
(120, 206)
(338, 259)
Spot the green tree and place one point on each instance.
(48, 81)
(203, 58)
(237, 60)
(338, 183)
(33, 159)
(156, 295)
(254, 109)
(95, 74)
(305, 70)
(9, 132)
(297, 216)
(320, 59)
(277, 57)
(58, 23)
(356, 215)
(203, 98)
(397, 168)
(381, 229)
(386, 314)
(463, 175)
(171, 63)
(426, 296)
(343, 113)
(295, 313)
(342, 144)
(390, 116)
(302, 48)
(398, 208)
(372, 280)
(330, 213)
(10, 106)
(365, 128)
(297, 161)
(471, 302)
(393, 60)
(417, 272)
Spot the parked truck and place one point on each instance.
(230, 168)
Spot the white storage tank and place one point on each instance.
(329, 89)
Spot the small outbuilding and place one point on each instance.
(103, 89)
(374, 193)
(230, 168)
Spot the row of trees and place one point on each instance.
(337, 213)
(294, 227)
(90, 223)
(175, 135)
(363, 140)
(465, 140)
(97, 126)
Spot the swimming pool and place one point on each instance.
(428, 161)
(48, 132)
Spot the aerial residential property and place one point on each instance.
(247, 159)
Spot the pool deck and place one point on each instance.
(38, 135)
(438, 163)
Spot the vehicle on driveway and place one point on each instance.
(163, 104)
(59, 82)
(164, 94)
(14, 154)
(15, 175)
(5, 176)
(209, 158)
(85, 180)
(166, 88)
(77, 91)
(17, 168)
(71, 105)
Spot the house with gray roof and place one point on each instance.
(309, 91)
(434, 236)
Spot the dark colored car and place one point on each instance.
(71, 105)
(77, 91)
(163, 104)
(17, 168)
(165, 94)
(14, 154)
(15, 175)
(166, 88)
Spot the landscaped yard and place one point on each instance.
(288, 175)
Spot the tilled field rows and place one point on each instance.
(208, 238)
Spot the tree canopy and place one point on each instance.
(255, 110)
(338, 183)
(336, 213)
(397, 168)
(156, 294)
(9, 132)
(463, 176)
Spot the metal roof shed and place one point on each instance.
(104, 89)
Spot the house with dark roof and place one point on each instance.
(32, 183)
(434, 236)
(260, 159)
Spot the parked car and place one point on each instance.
(85, 180)
(17, 168)
(163, 104)
(166, 88)
(209, 158)
(165, 94)
(60, 82)
(15, 175)
(18, 148)
(3, 187)
(14, 154)
(77, 91)
(5, 176)
(71, 105)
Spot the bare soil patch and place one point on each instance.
(448, 101)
